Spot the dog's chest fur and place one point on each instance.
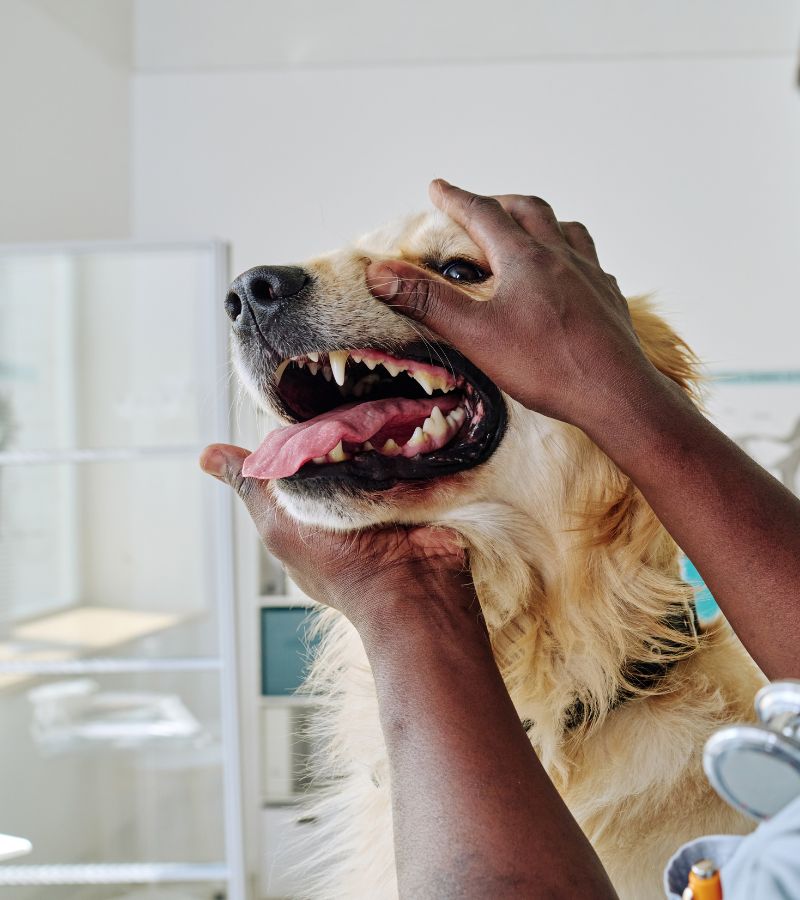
(632, 776)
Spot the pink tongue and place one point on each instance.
(285, 450)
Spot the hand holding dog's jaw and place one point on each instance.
(557, 333)
(379, 577)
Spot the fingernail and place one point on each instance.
(383, 281)
(213, 462)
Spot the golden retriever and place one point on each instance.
(592, 627)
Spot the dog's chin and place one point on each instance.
(343, 505)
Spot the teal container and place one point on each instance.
(704, 602)
(286, 649)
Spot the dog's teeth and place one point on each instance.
(326, 371)
(427, 381)
(358, 388)
(314, 357)
(436, 424)
(338, 454)
(338, 361)
(390, 446)
(355, 358)
(319, 460)
(417, 439)
(313, 367)
(280, 370)
(456, 417)
(370, 363)
(300, 363)
(392, 369)
(367, 445)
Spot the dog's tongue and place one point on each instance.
(285, 450)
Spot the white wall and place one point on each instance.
(180, 35)
(64, 156)
(685, 170)
(672, 130)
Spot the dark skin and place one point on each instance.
(557, 337)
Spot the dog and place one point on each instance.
(591, 625)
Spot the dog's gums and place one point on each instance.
(388, 417)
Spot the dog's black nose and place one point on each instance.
(263, 287)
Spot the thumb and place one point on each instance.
(451, 313)
(224, 462)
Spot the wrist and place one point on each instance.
(649, 416)
(402, 618)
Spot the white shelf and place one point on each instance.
(291, 700)
(110, 454)
(113, 873)
(111, 666)
(284, 601)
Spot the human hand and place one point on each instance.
(556, 336)
(376, 577)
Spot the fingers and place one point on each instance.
(578, 237)
(449, 312)
(535, 215)
(483, 218)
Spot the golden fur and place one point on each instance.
(576, 578)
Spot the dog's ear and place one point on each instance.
(669, 353)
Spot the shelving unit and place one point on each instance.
(281, 765)
(117, 575)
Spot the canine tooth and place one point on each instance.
(338, 454)
(319, 460)
(326, 371)
(436, 424)
(417, 439)
(338, 361)
(390, 446)
(392, 369)
(314, 357)
(313, 368)
(370, 363)
(427, 381)
(280, 370)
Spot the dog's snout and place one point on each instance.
(264, 287)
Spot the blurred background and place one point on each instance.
(151, 149)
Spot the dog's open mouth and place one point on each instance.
(367, 416)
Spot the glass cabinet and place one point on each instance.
(119, 762)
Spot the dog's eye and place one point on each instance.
(463, 271)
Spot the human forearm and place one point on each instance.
(464, 826)
(739, 525)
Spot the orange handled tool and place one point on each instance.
(704, 881)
